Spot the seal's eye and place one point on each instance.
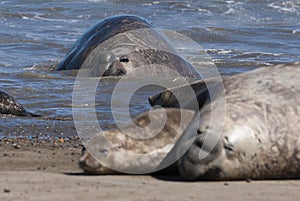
(103, 151)
(124, 59)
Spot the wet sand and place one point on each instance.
(48, 170)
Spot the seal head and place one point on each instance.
(119, 44)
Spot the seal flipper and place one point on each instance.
(8, 105)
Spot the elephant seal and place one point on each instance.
(148, 150)
(260, 135)
(258, 138)
(8, 105)
(119, 44)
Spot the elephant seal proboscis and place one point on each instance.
(259, 138)
(119, 44)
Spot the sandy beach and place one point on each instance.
(226, 37)
(47, 170)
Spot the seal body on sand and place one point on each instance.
(257, 138)
(119, 44)
(148, 149)
(8, 105)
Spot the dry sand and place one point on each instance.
(45, 170)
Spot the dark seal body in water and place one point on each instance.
(119, 44)
(253, 135)
(8, 105)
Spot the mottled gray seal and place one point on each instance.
(8, 105)
(259, 136)
(117, 45)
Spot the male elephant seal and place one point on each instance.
(119, 44)
(8, 105)
(257, 139)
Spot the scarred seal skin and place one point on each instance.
(259, 136)
(119, 44)
(8, 105)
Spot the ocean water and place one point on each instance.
(36, 35)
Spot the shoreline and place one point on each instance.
(45, 170)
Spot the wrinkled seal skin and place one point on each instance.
(260, 135)
(119, 44)
(8, 105)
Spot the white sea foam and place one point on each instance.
(230, 2)
(297, 31)
(229, 11)
(203, 10)
(39, 17)
(220, 51)
(5, 2)
(5, 64)
(93, 1)
(234, 7)
(287, 6)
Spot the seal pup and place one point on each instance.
(8, 105)
(259, 137)
(119, 44)
(149, 148)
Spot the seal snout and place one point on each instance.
(88, 163)
(117, 67)
(91, 165)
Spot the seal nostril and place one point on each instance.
(124, 60)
